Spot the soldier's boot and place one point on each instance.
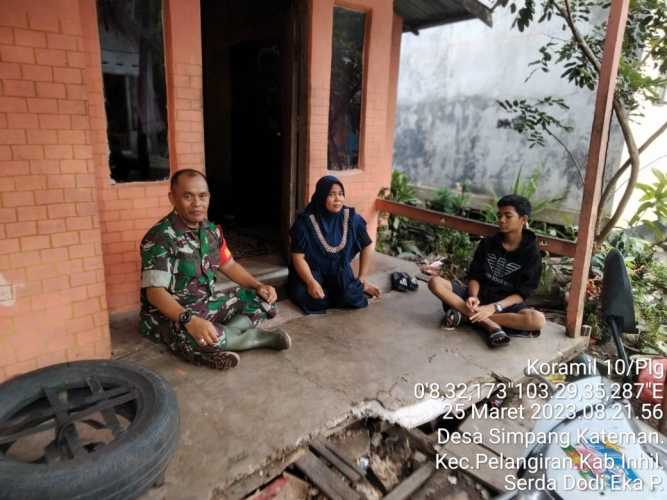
(256, 338)
(223, 360)
(241, 322)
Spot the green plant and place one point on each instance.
(450, 202)
(655, 200)
(579, 51)
(457, 249)
(410, 239)
(563, 231)
(401, 191)
(533, 122)
(648, 278)
(526, 188)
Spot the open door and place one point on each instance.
(253, 89)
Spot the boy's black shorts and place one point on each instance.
(462, 291)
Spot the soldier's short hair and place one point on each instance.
(188, 172)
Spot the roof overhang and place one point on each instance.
(420, 14)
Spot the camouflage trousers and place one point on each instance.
(218, 309)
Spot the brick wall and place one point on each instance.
(382, 46)
(69, 236)
(127, 210)
(52, 287)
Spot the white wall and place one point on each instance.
(655, 156)
(447, 117)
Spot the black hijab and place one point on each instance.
(330, 223)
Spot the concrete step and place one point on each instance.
(272, 270)
(269, 269)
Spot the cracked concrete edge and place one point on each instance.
(416, 414)
(243, 485)
(409, 416)
(278, 460)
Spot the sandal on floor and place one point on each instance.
(451, 320)
(498, 338)
(527, 334)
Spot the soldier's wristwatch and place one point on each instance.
(185, 317)
(499, 308)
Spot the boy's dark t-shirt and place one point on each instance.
(501, 273)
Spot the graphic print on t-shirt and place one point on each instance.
(500, 268)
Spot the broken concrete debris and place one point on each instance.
(369, 460)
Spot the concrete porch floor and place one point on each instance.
(342, 365)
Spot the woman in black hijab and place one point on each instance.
(325, 238)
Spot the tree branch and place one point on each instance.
(633, 152)
(574, 160)
(578, 37)
(621, 170)
(623, 121)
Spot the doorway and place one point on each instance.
(252, 86)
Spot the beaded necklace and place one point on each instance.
(318, 232)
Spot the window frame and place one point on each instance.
(365, 51)
(168, 108)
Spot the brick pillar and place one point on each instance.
(52, 291)
(382, 43)
(184, 83)
(127, 210)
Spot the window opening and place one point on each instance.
(134, 88)
(346, 89)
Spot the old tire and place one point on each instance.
(123, 468)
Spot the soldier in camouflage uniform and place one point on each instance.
(180, 305)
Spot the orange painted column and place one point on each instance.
(382, 46)
(127, 210)
(183, 41)
(597, 152)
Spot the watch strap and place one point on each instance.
(185, 317)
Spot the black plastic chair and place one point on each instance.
(617, 303)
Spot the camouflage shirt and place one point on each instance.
(183, 261)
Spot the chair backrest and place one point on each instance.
(616, 297)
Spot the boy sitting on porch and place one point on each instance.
(505, 270)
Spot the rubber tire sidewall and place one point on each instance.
(123, 469)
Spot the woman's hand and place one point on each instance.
(370, 288)
(315, 290)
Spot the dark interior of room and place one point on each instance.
(245, 58)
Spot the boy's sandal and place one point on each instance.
(399, 281)
(451, 320)
(498, 338)
(528, 334)
(403, 282)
